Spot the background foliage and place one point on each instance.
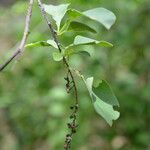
(33, 102)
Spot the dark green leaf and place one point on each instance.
(101, 15)
(78, 26)
(75, 26)
(105, 93)
(73, 50)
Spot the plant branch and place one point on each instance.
(54, 35)
(24, 38)
(72, 125)
(53, 32)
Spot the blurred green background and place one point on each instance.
(34, 106)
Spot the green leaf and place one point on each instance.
(42, 43)
(57, 12)
(100, 15)
(75, 26)
(81, 40)
(52, 43)
(37, 44)
(78, 26)
(105, 93)
(72, 51)
(84, 53)
(102, 108)
(65, 27)
(106, 111)
(57, 56)
(73, 13)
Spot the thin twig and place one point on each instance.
(24, 38)
(72, 125)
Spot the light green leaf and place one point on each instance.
(57, 12)
(81, 40)
(42, 43)
(102, 108)
(102, 15)
(52, 43)
(89, 84)
(37, 44)
(106, 111)
(57, 56)
(105, 93)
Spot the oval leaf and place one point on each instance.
(102, 15)
(81, 40)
